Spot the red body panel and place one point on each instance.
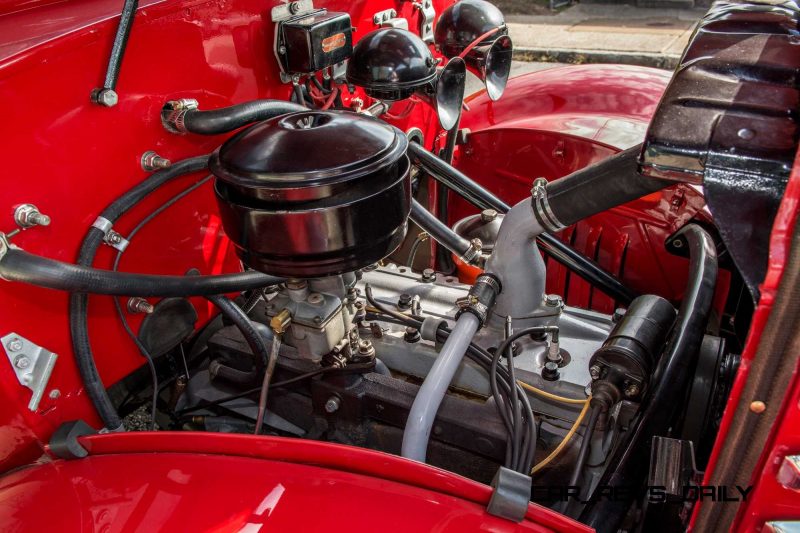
(769, 500)
(214, 482)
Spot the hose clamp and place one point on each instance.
(481, 298)
(541, 207)
(4, 245)
(173, 116)
(110, 237)
(473, 253)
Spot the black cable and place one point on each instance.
(142, 349)
(79, 302)
(583, 455)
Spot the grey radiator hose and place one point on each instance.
(433, 389)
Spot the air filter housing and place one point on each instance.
(314, 193)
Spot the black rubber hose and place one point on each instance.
(226, 119)
(21, 266)
(79, 302)
(438, 230)
(238, 318)
(552, 246)
(596, 188)
(671, 378)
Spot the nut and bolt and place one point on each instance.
(552, 300)
(411, 335)
(404, 302)
(376, 330)
(28, 216)
(365, 348)
(139, 305)
(113, 237)
(550, 371)
(105, 97)
(152, 161)
(22, 362)
(428, 275)
(14, 345)
(631, 390)
(333, 404)
(594, 371)
(488, 215)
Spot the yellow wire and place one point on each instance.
(549, 395)
(544, 462)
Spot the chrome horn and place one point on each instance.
(476, 31)
(394, 64)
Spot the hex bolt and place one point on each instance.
(411, 335)
(594, 371)
(105, 97)
(22, 362)
(631, 390)
(550, 371)
(428, 275)
(139, 305)
(152, 161)
(113, 237)
(28, 216)
(488, 215)
(404, 302)
(552, 300)
(333, 404)
(14, 345)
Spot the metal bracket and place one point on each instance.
(282, 12)
(4, 245)
(111, 238)
(427, 13)
(672, 464)
(388, 19)
(31, 363)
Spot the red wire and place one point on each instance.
(477, 41)
(331, 98)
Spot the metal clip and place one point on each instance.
(426, 15)
(111, 238)
(31, 363)
(541, 207)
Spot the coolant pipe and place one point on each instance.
(226, 119)
(442, 234)
(478, 196)
(629, 463)
(433, 389)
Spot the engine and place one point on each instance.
(386, 299)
